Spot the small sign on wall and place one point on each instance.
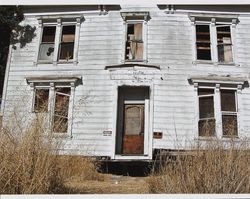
(107, 133)
(157, 135)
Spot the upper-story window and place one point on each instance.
(224, 43)
(134, 42)
(47, 45)
(203, 43)
(214, 39)
(66, 46)
(135, 24)
(59, 40)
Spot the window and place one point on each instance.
(134, 42)
(47, 45)
(203, 42)
(135, 38)
(214, 39)
(206, 112)
(61, 110)
(228, 107)
(66, 49)
(41, 100)
(229, 112)
(224, 44)
(59, 40)
(55, 96)
(218, 105)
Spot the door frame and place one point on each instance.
(148, 131)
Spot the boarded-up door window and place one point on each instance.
(134, 119)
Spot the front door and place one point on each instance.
(133, 135)
(132, 121)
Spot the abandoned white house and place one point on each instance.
(123, 81)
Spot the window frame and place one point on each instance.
(231, 113)
(210, 118)
(51, 83)
(213, 23)
(59, 22)
(219, 83)
(132, 18)
(143, 40)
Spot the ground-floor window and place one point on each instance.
(217, 111)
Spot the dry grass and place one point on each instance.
(211, 169)
(30, 163)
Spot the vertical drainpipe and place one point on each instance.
(6, 77)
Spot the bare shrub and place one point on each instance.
(214, 167)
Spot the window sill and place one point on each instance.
(204, 62)
(127, 61)
(56, 63)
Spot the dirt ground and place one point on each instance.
(112, 184)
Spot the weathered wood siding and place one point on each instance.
(169, 45)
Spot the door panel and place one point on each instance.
(133, 135)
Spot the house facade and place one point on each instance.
(122, 81)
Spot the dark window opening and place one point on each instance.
(229, 113)
(60, 117)
(41, 100)
(134, 43)
(203, 42)
(66, 48)
(46, 50)
(206, 124)
(224, 43)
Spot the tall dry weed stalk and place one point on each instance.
(210, 169)
(30, 162)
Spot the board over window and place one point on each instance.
(135, 24)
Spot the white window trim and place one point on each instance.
(59, 23)
(52, 83)
(131, 18)
(213, 24)
(218, 84)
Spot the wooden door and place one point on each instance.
(133, 135)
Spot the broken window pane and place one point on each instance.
(228, 100)
(206, 107)
(134, 44)
(207, 127)
(66, 51)
(41, 100)
(224, 44)
(229, 125)
(47, 45)
(203, 42)
(61, 110)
